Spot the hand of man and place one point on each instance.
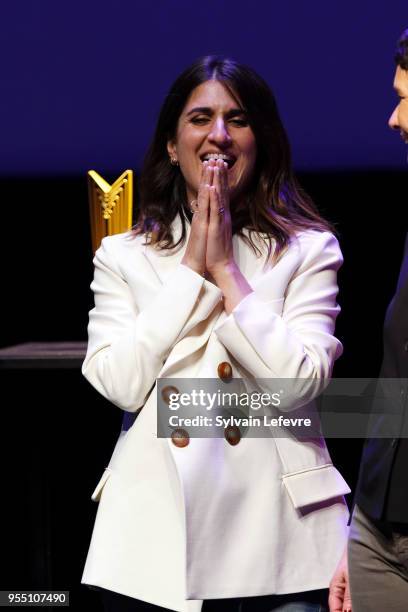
(339, 593)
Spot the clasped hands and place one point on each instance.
(209, 248)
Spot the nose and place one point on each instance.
(219, 133)
(393, 120)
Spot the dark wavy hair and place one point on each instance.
(401, 53)
(275, 207)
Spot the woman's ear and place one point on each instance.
(172, 150)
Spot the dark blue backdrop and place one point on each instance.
(82, 82)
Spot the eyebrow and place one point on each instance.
(206, 110)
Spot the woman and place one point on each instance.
(230, 272)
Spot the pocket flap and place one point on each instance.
(315, 485)
(96, 495)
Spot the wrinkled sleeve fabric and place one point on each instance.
(298, 342)
(127, 348)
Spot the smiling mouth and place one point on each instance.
(230, 159)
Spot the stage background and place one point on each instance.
(81, 87)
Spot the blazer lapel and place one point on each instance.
(164, 262)
(209, 308)
(198, 327)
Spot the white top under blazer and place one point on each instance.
(176, 525)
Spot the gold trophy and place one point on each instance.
(110, 206)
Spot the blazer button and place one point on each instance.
(167, 391)
(406, 346)
(224, 370)
(180, 437)
(232, 434)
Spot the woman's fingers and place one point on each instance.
(194, 256)
(220, 203)
(215, 195)
(210, 242)
(203, 197)
(195, 252)
(219, 241)
(225, 186)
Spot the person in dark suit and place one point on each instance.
(378, 541)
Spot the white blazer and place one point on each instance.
(178, 525)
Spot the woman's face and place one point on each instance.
(213, 124)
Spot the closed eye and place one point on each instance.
(240, 122)
(204, 120)
(199, 120)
